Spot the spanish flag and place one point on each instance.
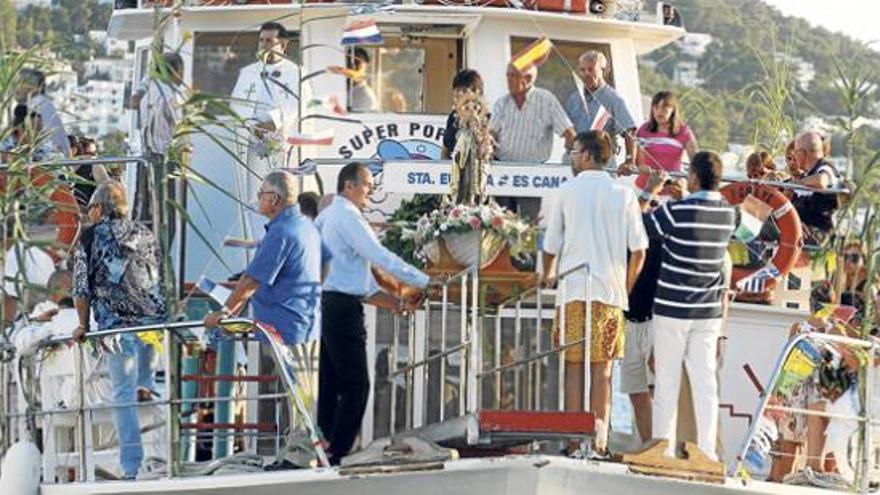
(532, 55)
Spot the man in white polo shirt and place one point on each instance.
(595, 221)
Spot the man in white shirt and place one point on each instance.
(355, 249)
(32, 91)
(595, 221)
(24, 278)
(266, 95)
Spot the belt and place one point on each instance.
(342, 295)
(638, 319)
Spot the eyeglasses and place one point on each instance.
(260, 194)
(576, 152)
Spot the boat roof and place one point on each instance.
(138, 23)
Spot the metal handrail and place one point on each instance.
(434, 357)
(170, 400)
(89, 162)
(764, 403)
(533, 358)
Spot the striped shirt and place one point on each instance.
(526, 134)
(161, 110)
(695, 232)
(662, 151)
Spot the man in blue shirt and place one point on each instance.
(284, 278)
(584, 109)
(344, 382)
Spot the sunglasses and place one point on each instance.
(852, 257)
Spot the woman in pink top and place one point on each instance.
(664, 138)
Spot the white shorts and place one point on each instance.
(635, 377)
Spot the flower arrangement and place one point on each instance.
(464, 219)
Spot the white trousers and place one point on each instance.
(693, 342)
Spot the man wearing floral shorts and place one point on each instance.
(593, 224)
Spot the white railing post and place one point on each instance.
(588, 336)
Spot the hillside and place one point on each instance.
(741, 67)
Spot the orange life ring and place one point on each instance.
(787, 219)
(65, 214)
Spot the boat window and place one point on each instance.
(218, 57)
(408, 73)
(555, 74)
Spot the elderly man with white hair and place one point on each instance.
(600, 107)
(524, 122)
(117, 275)
(283, 281)
(816, 209)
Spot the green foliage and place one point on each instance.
(403, 219)
(7, 25)
(62, 28)
(748, 86)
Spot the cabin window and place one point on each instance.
(556, 73)
(219, 56)
(411, 72)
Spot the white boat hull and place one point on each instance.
(529, 475)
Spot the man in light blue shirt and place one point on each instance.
(355, 249)
(283, 281)
(583, 109)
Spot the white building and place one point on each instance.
(23, 4)
(804, 72)
(110, 69)
(692, 46)
(99, 108)
(112, 47)
(686, 72)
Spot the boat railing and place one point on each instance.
(762, 433)
(175, 336)
(478, 349)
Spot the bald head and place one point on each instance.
(808, 149)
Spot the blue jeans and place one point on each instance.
(129, 368)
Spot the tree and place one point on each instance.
(114, 144)
(7, 26)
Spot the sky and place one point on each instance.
(856, 18)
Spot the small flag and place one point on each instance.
(345, 71)
(753, 214)
(757, 281)
(838, 312)
(362, 33)
(602, 117)
(323, 138)
(331, 103)
(532, 55)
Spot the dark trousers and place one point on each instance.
(344, 384)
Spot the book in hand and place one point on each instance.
(214, 290)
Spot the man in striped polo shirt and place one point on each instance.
(688, 306)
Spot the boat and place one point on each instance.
(443, 374)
